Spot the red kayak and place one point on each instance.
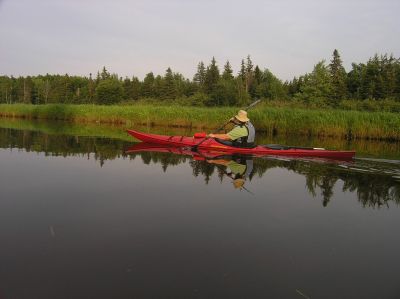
(259, 150)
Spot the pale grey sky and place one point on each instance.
(135, 37)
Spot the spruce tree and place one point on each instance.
(354, 81)
(148, 86)
(136, 85)
(104, 74)
(200, 76)
(249, 77)
(242, 72)
(212, 77)
(228, 72)
(338, 79)
(169, 90)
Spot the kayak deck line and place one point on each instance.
(212, 143)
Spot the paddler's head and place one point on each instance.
(240, 117)
(238, 183)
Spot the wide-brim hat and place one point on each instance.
(238, 183)
(242, 116)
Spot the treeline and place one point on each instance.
(327, 85)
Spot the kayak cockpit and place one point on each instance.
(233, 144)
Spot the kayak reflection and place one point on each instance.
(376, 183)
(238, 168)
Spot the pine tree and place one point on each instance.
(212, 77)
(148, 86)
(136, 85)
(128, 88)
(158, 87)
(228, 72)
(354, 81)
(242, 72)
(249, 77)
(169, 90)
(104, 74)
(257, 75)
(338, 79)
(200, 76)
(91, 89)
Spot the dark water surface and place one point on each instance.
(81, 218)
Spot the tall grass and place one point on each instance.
(274, 120)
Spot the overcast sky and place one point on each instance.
(135, 37)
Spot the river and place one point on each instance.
(85, 216)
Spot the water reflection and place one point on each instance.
(375, 181)
(374, 188)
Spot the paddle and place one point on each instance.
(194, 148)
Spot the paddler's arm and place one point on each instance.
(219, 161)
(220, 136)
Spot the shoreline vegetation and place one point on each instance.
(284, 120)
(364, 148)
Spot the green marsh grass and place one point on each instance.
(363, 147)
(273, 120)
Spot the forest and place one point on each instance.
(374, 85)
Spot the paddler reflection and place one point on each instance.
(238, 168)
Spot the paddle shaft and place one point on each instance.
(220, 128)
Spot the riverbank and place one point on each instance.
(272, 120)
(364, 148)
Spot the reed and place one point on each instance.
(273, 120)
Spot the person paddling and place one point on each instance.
(242, 134)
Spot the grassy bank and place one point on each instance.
(273, 120)
(363, 147)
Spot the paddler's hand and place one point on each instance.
(210, 135)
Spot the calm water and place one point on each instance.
(81, 217)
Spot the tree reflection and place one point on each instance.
(376, 183)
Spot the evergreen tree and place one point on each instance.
(242, 96)
(293, 87)
(242, 72)
(169, 90)
(200, 76)
(148, 86)
(257, 75)
(104, 74)
(158, 87)
(338, 79)
(354, 81)
(212, 77)
(136, 86)
(397, 75)
(128, 89)
(228, 72)
(91, 89)
(388, 66)
(181, 86)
